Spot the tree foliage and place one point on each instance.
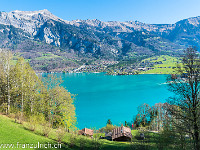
(183, 108)
(23, 92)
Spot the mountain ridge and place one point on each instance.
(93, 22)
(94, 39)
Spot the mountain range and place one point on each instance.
(50, 42)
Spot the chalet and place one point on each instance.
(121, 134)
(86, 132)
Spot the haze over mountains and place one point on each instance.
(33, 33)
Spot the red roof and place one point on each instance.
(85, 131)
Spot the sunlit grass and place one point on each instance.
(167, 66)
(13, 133)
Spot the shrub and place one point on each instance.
(82, 143)
(73, 140)
(46, 128)
(96, 143)
(12, 115)
(60, 133)
(19, 117)
(107, 128)
(33, 121)
(3, 108)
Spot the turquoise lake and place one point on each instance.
(101, 97)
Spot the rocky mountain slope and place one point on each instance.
(35, 33)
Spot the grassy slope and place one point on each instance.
(11, 133)
(48, 56)
(165, 68)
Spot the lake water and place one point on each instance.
(101, 97)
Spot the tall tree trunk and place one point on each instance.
(7, 57)
(196, 133)
(22, 101)
(31, 99)
(8, 82)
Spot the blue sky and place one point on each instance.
(147, 11)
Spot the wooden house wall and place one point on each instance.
(120, 132)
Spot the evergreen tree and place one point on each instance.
(109, 122)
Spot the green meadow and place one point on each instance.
(15, 133)
(167, 66)
(19, 134)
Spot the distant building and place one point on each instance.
(121, 134)
(86, 132)
(142, 69)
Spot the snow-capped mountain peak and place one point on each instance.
(27, 20)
